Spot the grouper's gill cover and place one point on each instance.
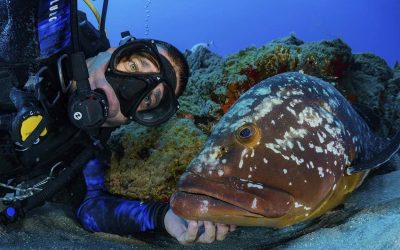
(278, 156)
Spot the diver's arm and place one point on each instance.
(102, 212)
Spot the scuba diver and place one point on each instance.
(64, 91)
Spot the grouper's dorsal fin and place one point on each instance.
(378, 160)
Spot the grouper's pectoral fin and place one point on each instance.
(379, 159)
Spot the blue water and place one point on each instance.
(232, 25)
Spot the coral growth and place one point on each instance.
(147, 162)
(327, 59)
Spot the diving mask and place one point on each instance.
(144, 82)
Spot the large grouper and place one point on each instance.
(290, 149)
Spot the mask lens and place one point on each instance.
(131, 88)
(136, 59)
(156, 107)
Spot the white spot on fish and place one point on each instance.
(318, 149)
(311, 164)
(249, 176)
(286, 142)
(305, 181)
(224, 161)
(265, 161)
(297, 205)
(252, 152)
(297, 160)
(241, 157)
(327, 107)
(300, 146)
(307, 208)
(334, 187)
(204, 207)
(295, 102)
(291, 111)
(310, 116)
(332, 131)
(273, 122)
(252, 185)
(254, 204)
(266, 106)
(285, 171)
(220, 172)
(320, 137)
(321, 172)
(296, 92)
(263, 91)
(290, 183)
(241, 163)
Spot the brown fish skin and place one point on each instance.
(280, 154)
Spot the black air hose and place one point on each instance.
(54, 186)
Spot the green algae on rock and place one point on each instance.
(147, 162)
(326, 59)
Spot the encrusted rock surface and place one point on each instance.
(147, 162)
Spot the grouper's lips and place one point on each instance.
(201, 198)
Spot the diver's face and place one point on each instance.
(137, 63)
(140, 63)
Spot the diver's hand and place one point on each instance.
(188, 231)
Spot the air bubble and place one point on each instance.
(147, 20)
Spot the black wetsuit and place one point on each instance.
(33, 34)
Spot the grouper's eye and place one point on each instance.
(248, 135)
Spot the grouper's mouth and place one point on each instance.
(200, 198)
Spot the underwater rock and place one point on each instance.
(391, 104)
(147, 162)
(365, 82)
(327, 60)
(206, 74)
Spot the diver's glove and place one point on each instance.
(189, 231)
